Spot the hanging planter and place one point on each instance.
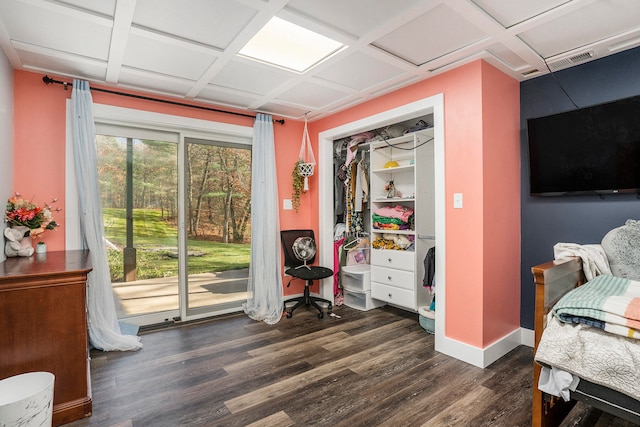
(307, 161)
(298, 186)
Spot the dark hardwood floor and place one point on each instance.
(375, 368)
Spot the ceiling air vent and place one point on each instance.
(571, 60)
(528, 73)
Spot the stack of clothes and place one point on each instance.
(393, 218)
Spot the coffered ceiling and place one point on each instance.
(188, 49)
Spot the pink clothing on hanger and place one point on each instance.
(336, 264)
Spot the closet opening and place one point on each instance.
(415, 190)
(384, 221)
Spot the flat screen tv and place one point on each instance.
(593, 150)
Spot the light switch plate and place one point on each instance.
(457, 200)
(287, 204)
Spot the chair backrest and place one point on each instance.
(287, 237)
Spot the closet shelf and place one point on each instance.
(396, 273)
(393, 200)
(397, 169)
(382, 230)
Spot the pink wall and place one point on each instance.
(501, 135)
(481, 161)
(481, 119)
(39, 147)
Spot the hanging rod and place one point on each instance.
(48, 80)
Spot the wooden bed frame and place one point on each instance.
(553, 279)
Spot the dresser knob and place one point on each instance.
(389, 278)
(389, 295)
(389, 259)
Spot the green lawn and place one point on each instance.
(156, 245)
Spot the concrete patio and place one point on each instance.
(161, 294)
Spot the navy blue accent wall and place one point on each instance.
(578, 219)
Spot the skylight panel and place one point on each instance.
(289, 46)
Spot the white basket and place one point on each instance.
(306, 169)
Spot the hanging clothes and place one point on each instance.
(365, 181)
(339, 195)
(358, 188)
(337, 246)
(357, 252)
(430, 270)
(339, 178)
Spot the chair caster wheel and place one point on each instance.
(321, 315)
(289, 314)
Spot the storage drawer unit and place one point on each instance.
(356, 277)
(361, 300)
(397, 266)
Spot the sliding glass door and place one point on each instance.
(176, 212)
(218, 203)
(139, 192)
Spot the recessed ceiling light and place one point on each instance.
(290, 46)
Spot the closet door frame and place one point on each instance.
(431, 105)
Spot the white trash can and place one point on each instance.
(26, 400)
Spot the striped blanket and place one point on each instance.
(606, 302)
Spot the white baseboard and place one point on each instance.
(527, 337)
(483, 357)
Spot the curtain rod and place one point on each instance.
(48, 80)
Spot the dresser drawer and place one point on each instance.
(402, 260)
(392, 277)
(393, 295)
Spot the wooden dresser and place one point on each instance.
(43, 325)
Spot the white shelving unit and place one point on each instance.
(407, 161)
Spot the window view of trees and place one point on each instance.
(218, 205)
(219, 196)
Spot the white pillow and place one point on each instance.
(622, 246)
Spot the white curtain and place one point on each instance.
(264, 290)
(104, 329)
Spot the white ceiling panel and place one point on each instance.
(54, 29)
(211, 22)
(355, 17)
(163, 58)
(512, 12)
(359, 71)
(282, 110)
(249, 76)
(132, 78)
(429, 36)
(228, 97)
(583, 27)
(507, 55)
(103, 7)
(311, 95)
(63, 65)
(188, 49)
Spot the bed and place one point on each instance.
(553, 280)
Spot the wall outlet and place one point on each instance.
(287, 204)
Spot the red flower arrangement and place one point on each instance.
(21, 212)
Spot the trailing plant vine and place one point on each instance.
(298, 186)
